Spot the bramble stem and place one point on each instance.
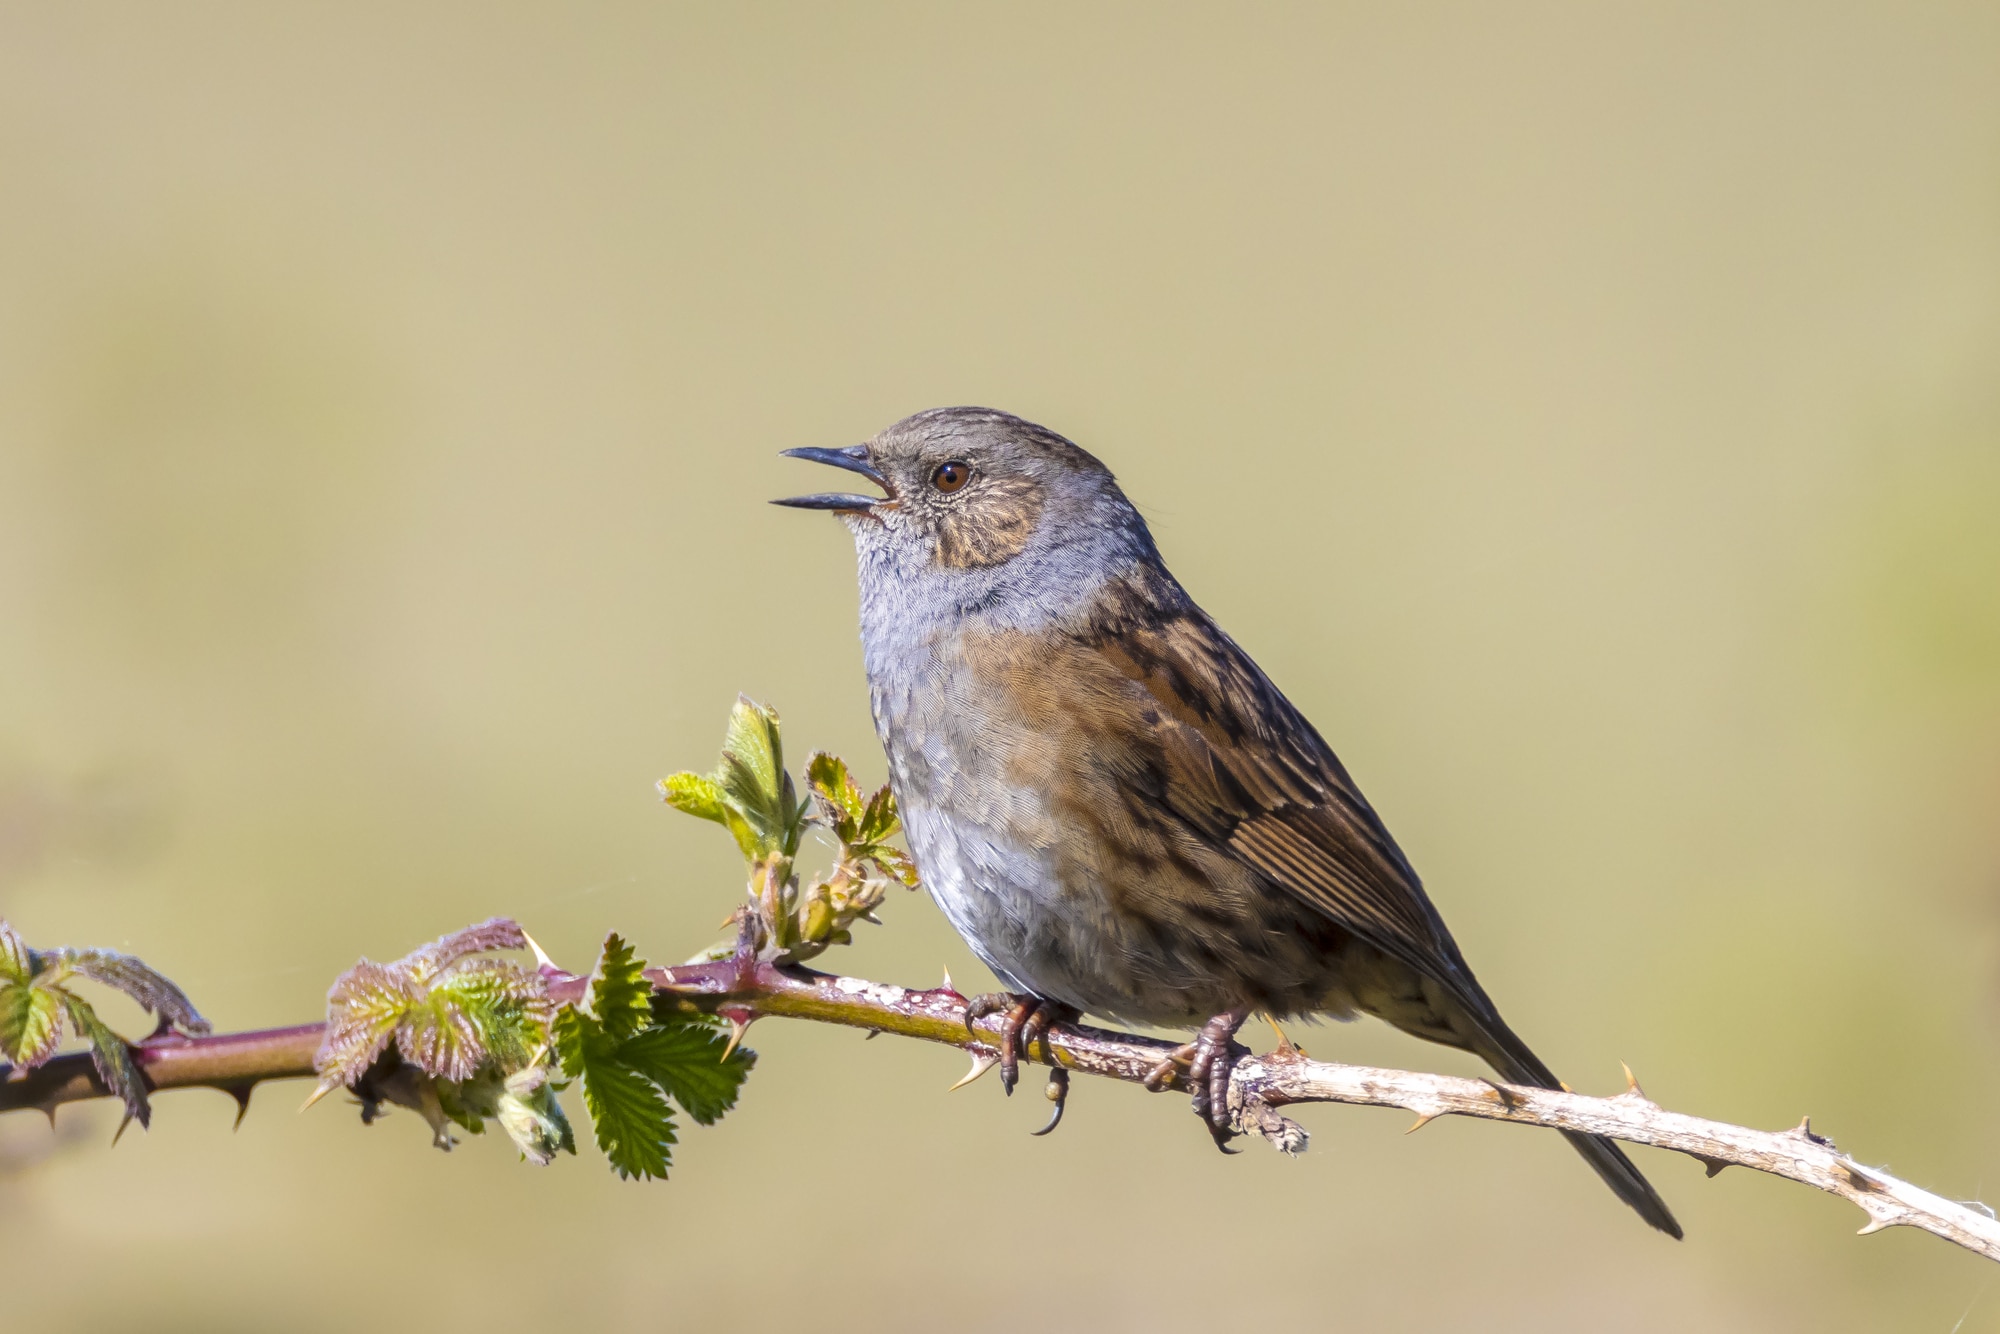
(743, 990)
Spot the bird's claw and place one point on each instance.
(1058, 1092)
(1214, 1056)
(1028, 1020)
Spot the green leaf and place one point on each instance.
(31, 1023)
(704, 798)
(31, 1004)
(633, 1125)
(440, 1039)
(621, 998)
(695, 794)
(448, 1006)
(113, 1060)
(840, 800)
(506, 1006)
(753, 775)
(753, 759)
(685, 1059)
(896, 864)
(879, 820)
(571, 1033)
(17, 961)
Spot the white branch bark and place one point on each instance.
(1264, 1083)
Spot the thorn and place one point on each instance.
(542, 959)
(1804, 1131)
(1632, 1089)
(1713, 1166)
(871, 1035)
(981, 1063)
(947, 981)
(242, 1096)
(1875, 1225)
(1284, 1043)
(1508, 1098)
(318, 1093)
(1423, 1119)
(119, 1133)
(738, 1026)
(49, 1110)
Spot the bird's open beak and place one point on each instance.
(855, 459)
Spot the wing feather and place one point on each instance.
(1248, 774)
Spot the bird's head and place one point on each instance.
(972, 489)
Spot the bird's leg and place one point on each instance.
(1215, 1054)
(1028, 1020)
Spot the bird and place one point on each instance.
(1107, 797)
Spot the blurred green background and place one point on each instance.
(1589, 415)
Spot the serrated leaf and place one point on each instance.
(753, 757)
(572, 1034)
(112, 1058)
(631, 1120)
(752, 774)
(31, 1004)
(696, 795)
(448, 1008)
(507, 1005)
(440, 1037)
(685, 1059)
(840, 800)
(495, 933)
(878, 821)
(896, 864)
(704, 797)
(17, 961)
(31, 1022)
(364, 1006)
(137, 980)
(621, 998)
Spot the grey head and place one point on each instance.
(982, 513)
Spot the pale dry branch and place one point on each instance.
(1278, 1078)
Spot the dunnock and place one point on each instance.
(1110, 801)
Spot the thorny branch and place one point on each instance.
(742, 990)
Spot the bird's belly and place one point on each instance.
(1062, 939)
(1044, 903)
(1002, 897)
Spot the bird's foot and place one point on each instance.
(1172, 1069)
(1211, 1057)
(1028, 1020)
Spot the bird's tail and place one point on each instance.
(1510, 1056)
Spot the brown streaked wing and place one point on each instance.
(1247, 772)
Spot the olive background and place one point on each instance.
(1587, 414)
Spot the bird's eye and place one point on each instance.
(951, 476)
